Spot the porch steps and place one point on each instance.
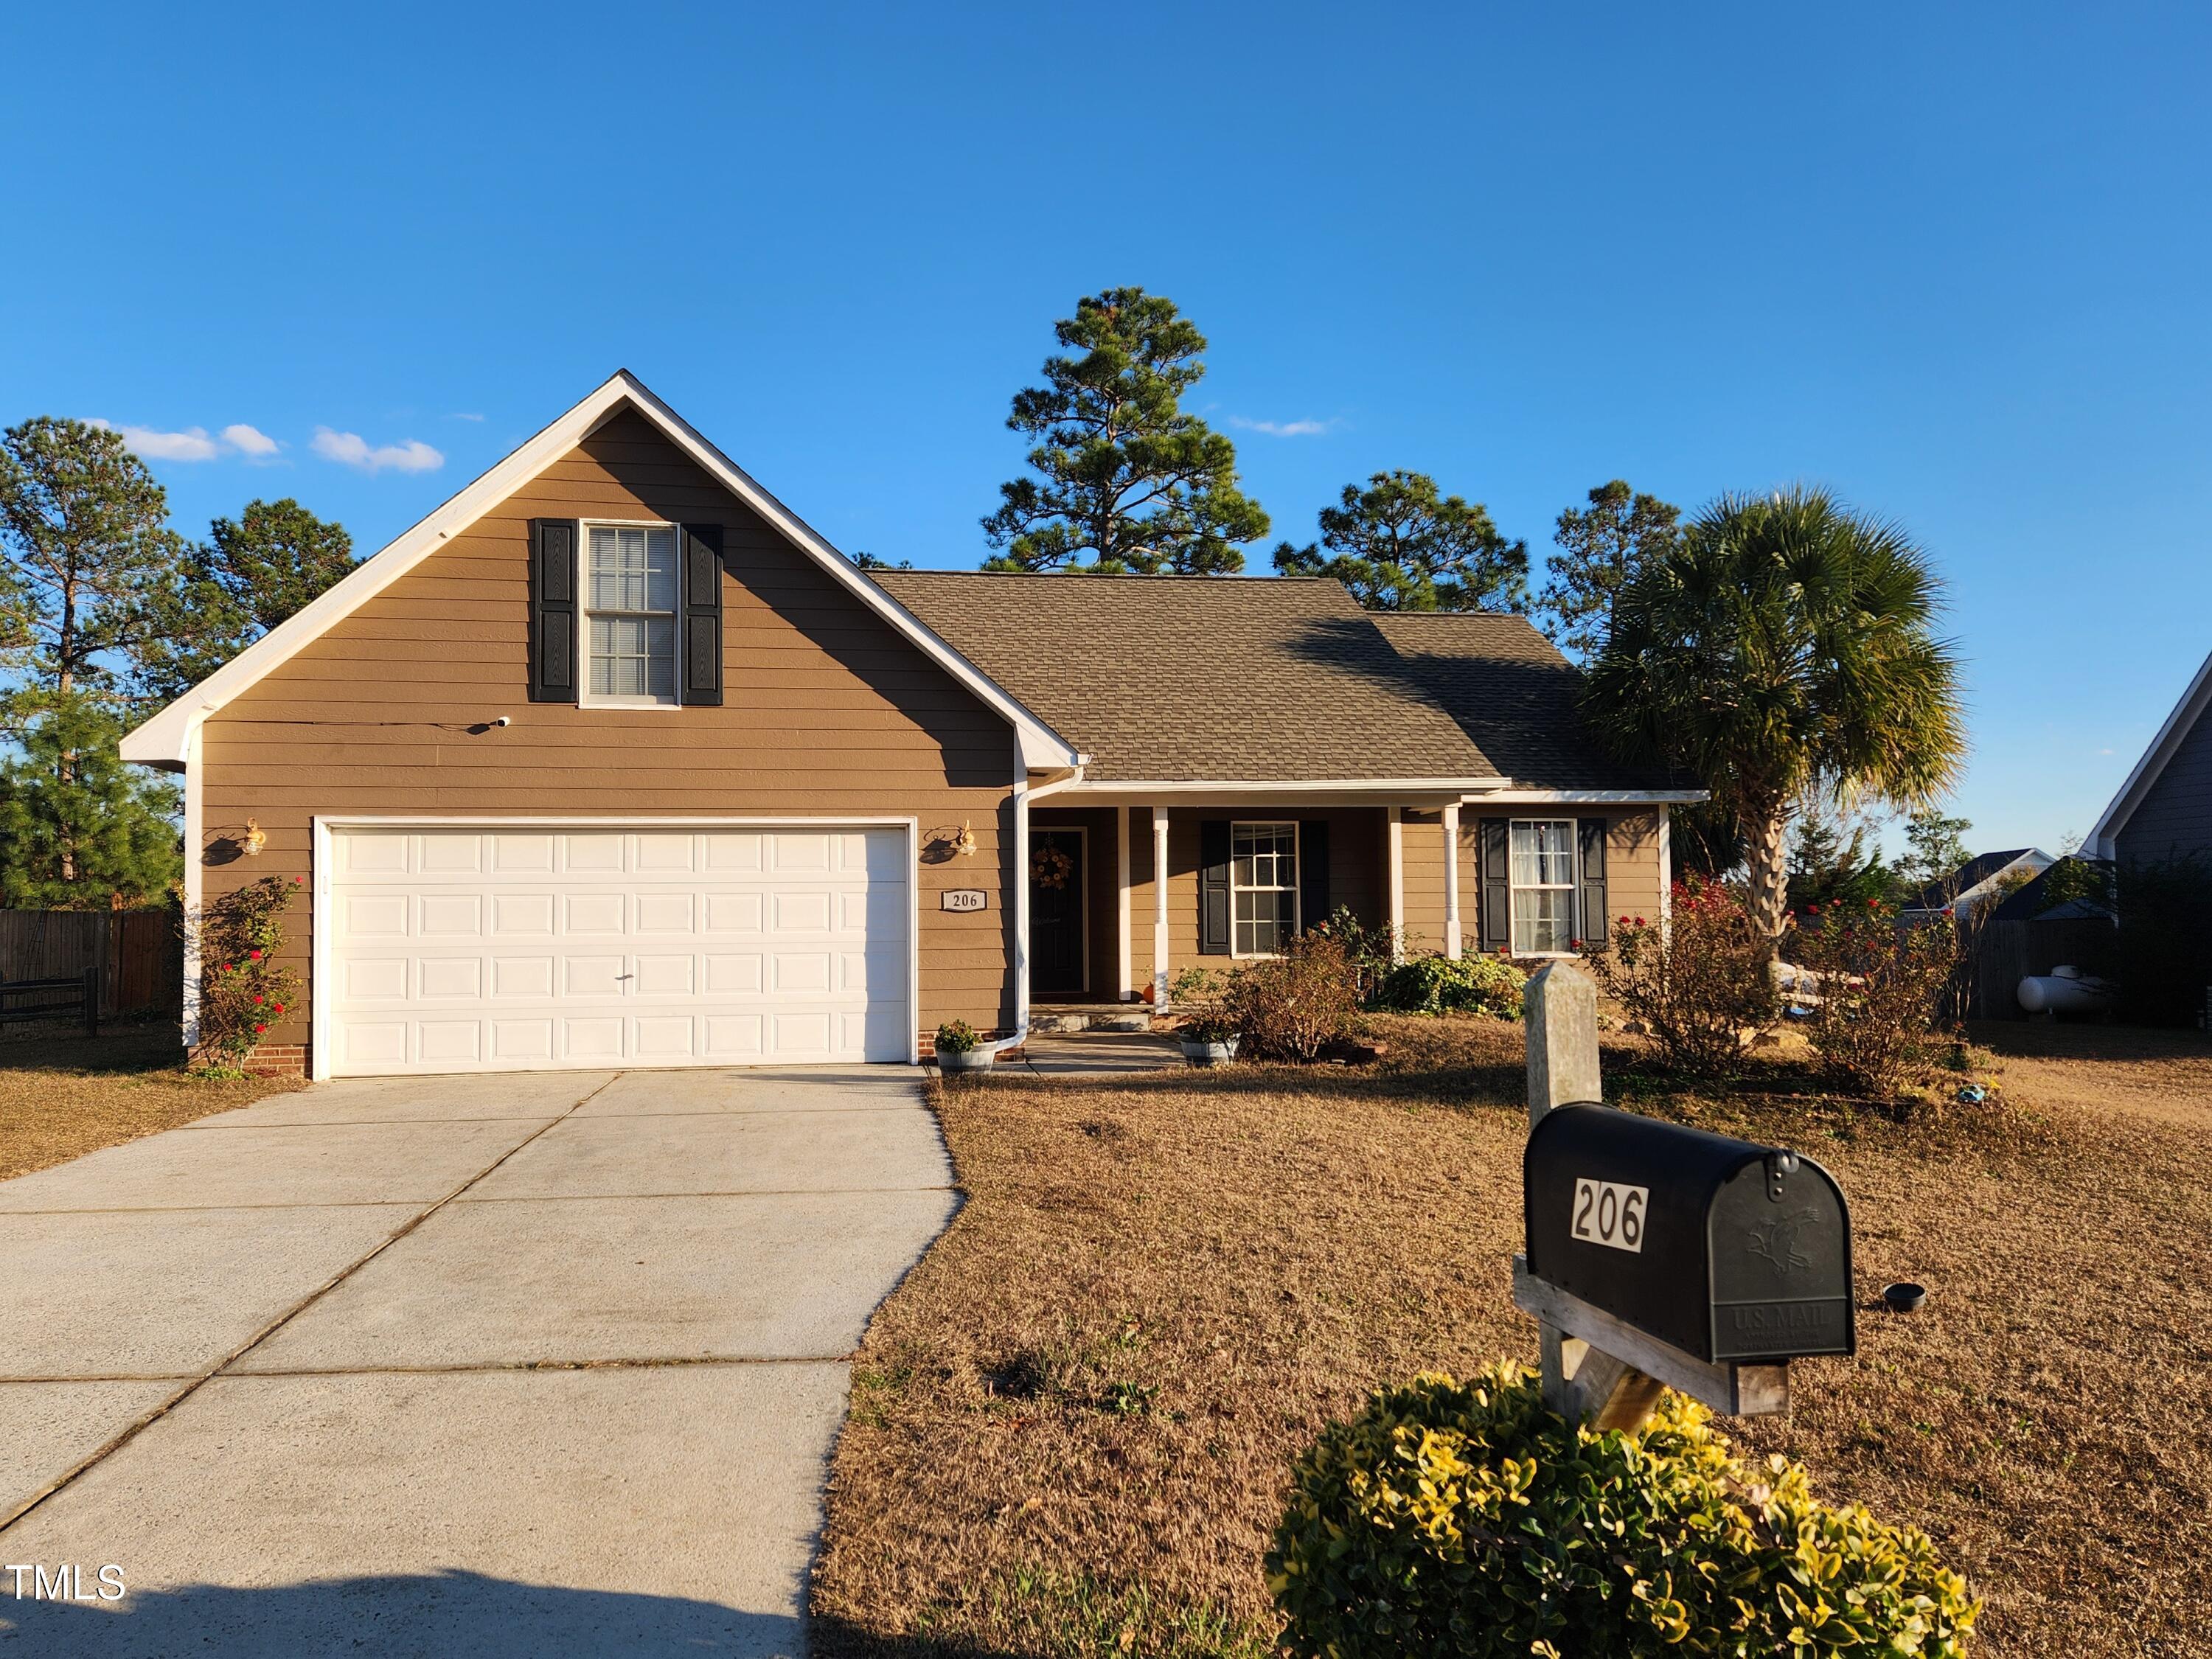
(1123, 1017)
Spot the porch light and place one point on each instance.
(965, 845)
(254, 840)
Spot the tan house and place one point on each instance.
(613, 761)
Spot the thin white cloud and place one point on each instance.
(351, 449)
(1283, 428)
(462, 416)
(250, 441)
(194, 443)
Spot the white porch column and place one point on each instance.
(1397, 860)
(1451, 880)
(1159, 906)
(1125, 825)
(1666, 872)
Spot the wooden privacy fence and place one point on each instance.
(137, 955)
(1995, 956)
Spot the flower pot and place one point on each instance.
(1904, 1297)
(1209, 1054)
(971, 1060)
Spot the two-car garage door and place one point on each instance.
(469, 949)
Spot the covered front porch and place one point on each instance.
(1129, 889)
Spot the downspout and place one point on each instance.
(1024, 793)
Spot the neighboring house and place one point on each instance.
(2164, 809)
(1976, 882)
(613, 761)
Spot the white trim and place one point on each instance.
(1264, 789)
(1573, 887)
(1666, 875)
(1021, 874)
(1394, 846)
(1595, 796)
(2103, 839)
(1124, 824)
(323, 824)
(164, 740)
(1452, 927)
(1082, 895)
(1295, 890)
(1159, 907)
(584, 697)
(196, 885)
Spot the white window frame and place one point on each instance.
(585, 698)
(1297, 873)
(1572, 888)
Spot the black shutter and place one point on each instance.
(553, 610)
(1594, 912)
(1213, 931)
(702, 666)
(1497, 886)
(1312, 873)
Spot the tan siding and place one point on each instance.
(827, 711)
(1631, 863)
(1423, 865)
(1357, 877)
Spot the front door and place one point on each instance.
(1056, 961)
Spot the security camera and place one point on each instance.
(504, 720)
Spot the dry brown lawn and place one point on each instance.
(63, 1094)
(1071, 1424)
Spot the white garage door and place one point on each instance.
(483, 950)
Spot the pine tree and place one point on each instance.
(1600, 547)
(1125, 474)
(1400, 546)
(269, 564)
(87, 558)
(78, 823)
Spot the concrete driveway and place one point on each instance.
(544, 1364)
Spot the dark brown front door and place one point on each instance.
(1057, 964)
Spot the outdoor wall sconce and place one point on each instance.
(254, 839)
(965, 845)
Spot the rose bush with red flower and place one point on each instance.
(243, 932)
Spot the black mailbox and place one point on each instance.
(1725, 1249)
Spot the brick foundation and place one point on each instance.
(268, 1060)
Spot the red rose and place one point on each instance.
(256, 955)
(1639, 921)
(1574, 944)
(280, 1008)
(259, 1028)
(295, 881)
(257, 997)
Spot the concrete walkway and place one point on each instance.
(544, 1364)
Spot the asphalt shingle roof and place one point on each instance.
(1513, 696)
(1185, 678)
(1189, 678)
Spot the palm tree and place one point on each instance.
(1783, 651)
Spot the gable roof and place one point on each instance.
(1982, 867)
(165, 738)
(1513, 693)
(1197, 679)
(2103, 839)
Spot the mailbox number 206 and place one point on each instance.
(1606, 1213)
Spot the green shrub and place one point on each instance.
(2164, 946)
(957, 1037)
(1372, 951)
(1292, 1007)
(243, 992)
(1438, 984)
(1466, 1520)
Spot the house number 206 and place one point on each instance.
(1606, 1213)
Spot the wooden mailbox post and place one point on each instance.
(1670, 1257)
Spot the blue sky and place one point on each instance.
(1952, 262)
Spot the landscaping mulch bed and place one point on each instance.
(1073, 1424)
(63, 1094)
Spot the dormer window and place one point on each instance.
(631, 591)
